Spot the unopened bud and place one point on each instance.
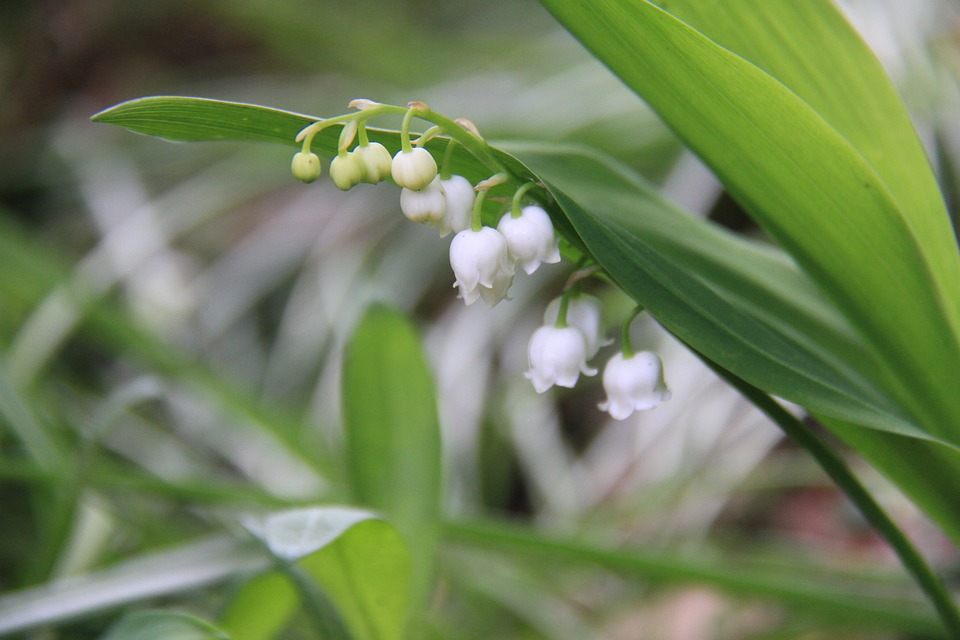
(346, 171)
(306, 166)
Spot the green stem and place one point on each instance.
(833, 465)
(445, 173)
(515, 210)
(475, 145)
(477, 217)
(362, 138)
(625, 347)
(564, 305)
(405, 145)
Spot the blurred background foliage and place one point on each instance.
(172, 316)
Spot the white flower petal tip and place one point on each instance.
(460, 197)
(482, 265)
(583, 312)
(530, 238)
(413, 169)
(633, 384)
(426, 205)
(557, 356)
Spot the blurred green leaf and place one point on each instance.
(827, 594)
(393, 433)
(359, 561)
(188, 566)
(261, 608)
(811, 190)
(163, 625)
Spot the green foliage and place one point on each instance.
(849, 307)
(352, 571)
(160, 625)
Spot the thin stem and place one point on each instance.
(405, 129)
(833, 465)
(445, 173)
(515, 210)
(362, 138)
(625, 347)
(564, 305)
(473, 143)
(477, 216)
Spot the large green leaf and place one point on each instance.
(359, 561)
(738, 302)
(805, 183)
(813, 50)
(393, 432)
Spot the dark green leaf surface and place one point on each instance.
(807, 186)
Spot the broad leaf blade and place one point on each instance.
(393, 432)
(359, 561)
(813, 50)
(803, 181)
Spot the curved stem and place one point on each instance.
(405, 130)
(474, 144)
(477, 217)
(515, 210)
(445, 173)
(834, 466)
(625, 347)
(564, 305)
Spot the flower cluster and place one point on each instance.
(571, 335)
(485, 259)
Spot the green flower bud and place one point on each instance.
(346, 171)
(306, 167)
(376, 162)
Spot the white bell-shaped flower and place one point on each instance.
(633, 384)
(585, 313)
(460, 197)
(346, 171)
(413, 169)
(530, 237)
(482, 265)
(426, 205)
(376, 162)
(557, 356)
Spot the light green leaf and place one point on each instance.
(163, 625)
(805, 183)
(393, 432)
(359, 561)
(813, 50)
(261, 608)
